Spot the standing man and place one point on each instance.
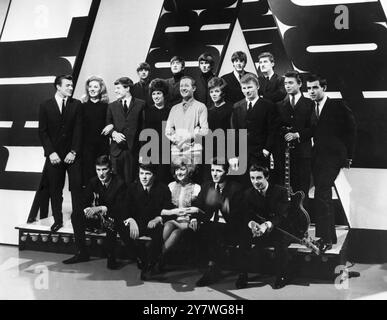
(60, 129)
(177, 68)
(206, 66)
(233, 79)
(272, 85)
(259, 117)
(140, 89)
(125, 117)
(334, 136)
(295, 113)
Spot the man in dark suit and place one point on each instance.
(234, 92)
(265, 206)
(149, 198)
(259, 117)
(220, 202)
(104, 201)
(125, 117)
(334, 136)
(295, 113)
(206, 66)
(140, 89)
(271, 84)
(177, 68)
(60, 129)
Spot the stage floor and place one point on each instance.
(41, 275)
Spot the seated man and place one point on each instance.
(220, 200)
(104, 207)
(150, 197)
(265, 207)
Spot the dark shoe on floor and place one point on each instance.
(140, 264)
(146, 273)
(241, 282)
(56, 226)
(324, 246)
(281, 282)
(112, 264)
(210, 276)
(79, 257)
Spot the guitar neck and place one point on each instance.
(287, 170)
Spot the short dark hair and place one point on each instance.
(217, 82)
(124, 81)
(103, 160)
(240, 55)
(266, 55)
(217, 161)
(316, 77)
(207, 57)
(58, 79)
(250, 77)
(179, 59)
(159, 85)
(294, 74)
(143, 66)
(264, 170)
(148, 167)
(192, 80)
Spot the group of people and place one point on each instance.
(98, 143)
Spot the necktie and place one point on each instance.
(216, 213)
(63, 105)
(317, 110)
(292, 100)
(125, 107)
(249, 106)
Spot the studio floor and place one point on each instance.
(36, 275)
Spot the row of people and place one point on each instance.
(218, 212)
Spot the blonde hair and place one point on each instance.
(103, 96)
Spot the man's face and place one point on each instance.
(65, 88)
(292, 86)
(94, 89)
(315, 90)
(258, 180)
(265, 65)
(218, 173)
(250, 90)
(204, 66)
(186, 89)
(120, 91)
(239, 65)
(146, 177)
(176, 66)
(143, 74)
(158, 97)
(104, 173)
(216, 94)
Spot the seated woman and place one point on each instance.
(184, 192)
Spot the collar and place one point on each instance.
(221, 185)
(236, 74)
(186, 104)
(297, 97)
(127, 99)
(59, 100)
(266, 76)
(252, 102)
(322, 102)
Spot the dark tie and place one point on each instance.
(317, 110)
(104, 186)
(216, 213)
(292, 100)
(63, 105)
(249, 106)
(125, 107)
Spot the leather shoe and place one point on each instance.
(56, 226)
(79, 257)
(209, 277)
(112, 264)
(324, 246)
(281, 282)
(241, 282)
(140, 264)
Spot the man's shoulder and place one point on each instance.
(239, 103)
(138, 102)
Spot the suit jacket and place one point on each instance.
(273, 89)
(299, 118)
(140, 90)
(147, 207)
(113, 197)
(273, 206)
(174, 96)
(60, 133)
(231, 191)
(261, 123)
(233, 90)
(334, 134)
(202, 93)
(129, 125)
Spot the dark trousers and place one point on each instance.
(124, 165)
(273, 238)
(153, 247)
(324, 176)
(56, 177)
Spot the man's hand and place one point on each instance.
(54, 158)
(69, 158)
(348, 163)
(154, 222)
(193, 224)
(90, 212)
(234, 164)
(105, 131)
(133, 228)
(118, 137)
(257, 229)
(191, 210)
(265, 153)
(292, 136)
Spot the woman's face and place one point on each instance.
(158, 98)
(181, 173)
(94, 89)
(216, 94)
